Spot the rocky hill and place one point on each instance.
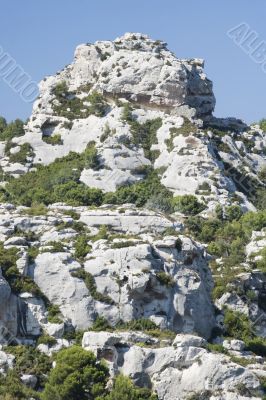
(133, 224)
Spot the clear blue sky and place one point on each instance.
(42, 35)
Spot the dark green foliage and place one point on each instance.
(22, 155)
(143, 135)
(82, 248)
(53, 140)
(262, 124)
(72, 107)
(11, 130)
(73, 214)
(30, 361)
(233, 213)
(46, 339)
(142, 324)
(120, 245)
(11, 388)
(91, 285)
(261, 264)
(187, 204)
(262, 174)
(102, 234)
(17, 282)
(101, 324)
(55, 247)
(3, 124)
(54, 314)
(165, 279)
(57, 182)
(77, 375)
(37, 209)
(204, 189)
(237, 325)
(257, 345)
(141, 192)
(124, 389)
(227, 239)
(216, 348)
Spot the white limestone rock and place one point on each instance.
(174, 372)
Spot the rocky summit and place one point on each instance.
(132, 235)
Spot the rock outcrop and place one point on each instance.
(105, 247)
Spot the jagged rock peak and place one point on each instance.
(141, 70)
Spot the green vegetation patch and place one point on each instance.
(144, 135)
(72, 107)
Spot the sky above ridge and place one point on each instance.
(41, 37)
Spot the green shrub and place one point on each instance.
(91, 286)
(53, 140)
(54, 314)
(101, 324)
(141, 192)
(123, 389)
(57, 182)
(77, 375)
(141, 324)
(257, 345)
(106, 133)
(187, 204)
(237, 325)
(101, 235)
(73, 214)
(29, 360)
(11, 130)
(18, 283)
(46, 339)
(22, 155)
(72, 107)
(82, 248)
(165, 279)
(55, 247)
(11, 388)
(262, 124)
(120, 245)
(144, 135)
(233, 213)
(37, 209)
(216, 348)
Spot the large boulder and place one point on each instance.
(174, 372)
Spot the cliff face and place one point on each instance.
(121, 200)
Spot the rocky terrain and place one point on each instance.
(132, 226)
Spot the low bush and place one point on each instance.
(77, 375)
(18, 283)
(187, 204)
(46, 339)
(29, 360)
(53, 140)
(91, 285)
(54, 314)
(22, 155)
(124, 389)
(72, 107)
(57, 182)
(11, 130)
(82, 248)
(165, 279)
(144, 135)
